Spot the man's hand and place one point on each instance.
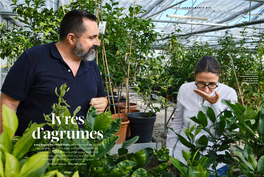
(210, 98)
(99, 104)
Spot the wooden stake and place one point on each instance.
(106, 79)
(239, 90)
(97, 19)
(127, 79)
(106, 64)
(109, 79)
(62, 8)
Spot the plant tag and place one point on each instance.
(102, 26)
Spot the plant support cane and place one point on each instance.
(127, 79)
(105, 65)
(240, 93)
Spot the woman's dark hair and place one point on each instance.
(208, 64)
(72, 22)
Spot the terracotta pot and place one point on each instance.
(123, 129)
(169, 97)
(122, 105)
(131, 110)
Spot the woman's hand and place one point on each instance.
(212, 99)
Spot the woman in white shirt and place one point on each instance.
(207, 91)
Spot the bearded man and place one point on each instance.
(29, 88)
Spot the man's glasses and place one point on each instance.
(210, 85)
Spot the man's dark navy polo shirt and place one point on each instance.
(34, 77)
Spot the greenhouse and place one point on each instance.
(157, 88)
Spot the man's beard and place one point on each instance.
(85, 56)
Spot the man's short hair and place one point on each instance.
(72, 22)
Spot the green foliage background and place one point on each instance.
(164, 73)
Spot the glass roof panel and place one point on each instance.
(218, 15)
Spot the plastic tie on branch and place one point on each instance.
(109, 75)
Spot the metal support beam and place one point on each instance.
(189, 23)
(166, 8)
(221, 28)
(236, 37)
(142, 15)
(7, 12)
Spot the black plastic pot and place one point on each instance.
(141, 125)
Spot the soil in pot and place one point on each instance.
(141, 125)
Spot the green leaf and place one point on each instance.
(203, 160)
(211, 159)
(240, 107)
(252, 160)
(70, 126)
(142, 157)
(249, 113)
(1, 165)
(202, 118)
(90, 118)
(122, 151)
(122, 169)
(211, 114)
(38, 172)
(185, 155)
(11, 165)
(34, 162)
(83, 144)
(228, 113)
(55, 160)
(53, 174)
(224, 147)
(113, 129)
(25, 142)
(161, 167)
(9, 120)
(103, 121)
(5, 140)
(192, 173)
(178, 165)
(195, 120)
(202, 142)
(10, 124)
(261, 125)
(260, 166)
(198, 130)
(106, 41)
(105, 146)
(76, 174)
(61, 155)
(162, 154)
(140, 173)
(200, 171)
(127, 143)
(240, 155)
(95, 163)
(185, 142)
(76, 111)
(166, 174)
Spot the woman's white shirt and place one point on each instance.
(189, 104)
